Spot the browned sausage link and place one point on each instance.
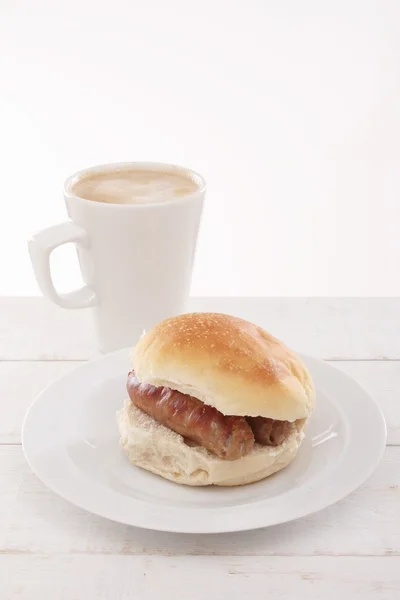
(228, 437)
(269, 432)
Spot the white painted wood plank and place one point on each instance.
(34, 520)
(34, 329)
(197, 578)
(21, 381)
(330, 328)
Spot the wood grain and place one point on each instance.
(197, 578)
(34, 520)
(335, 328)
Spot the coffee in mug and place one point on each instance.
(135, 227)
(134, 186)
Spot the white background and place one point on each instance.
(290, 109)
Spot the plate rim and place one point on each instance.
(239, 525)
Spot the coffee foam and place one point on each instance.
(133, 186)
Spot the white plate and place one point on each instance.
(70, 440)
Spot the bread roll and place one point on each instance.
(156, 448)
(228, 363)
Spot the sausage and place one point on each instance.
(269, 432)
(229, 437)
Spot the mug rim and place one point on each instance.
(149, 165)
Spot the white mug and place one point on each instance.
(136, 259)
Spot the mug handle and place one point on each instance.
(41, 245)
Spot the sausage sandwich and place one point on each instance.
(214, 400)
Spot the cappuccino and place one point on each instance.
(134, 186)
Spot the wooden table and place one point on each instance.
(50, 550)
